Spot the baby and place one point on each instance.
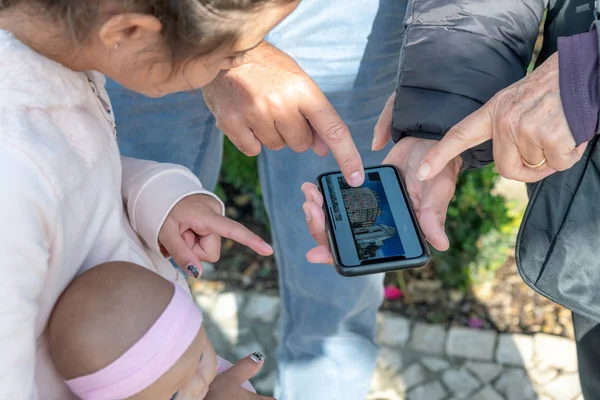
(120, 331)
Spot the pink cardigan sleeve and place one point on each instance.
(150, 190)
(28, 211)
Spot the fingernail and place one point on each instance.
(193, 270)
(267, 246)
(423, 171)
(356, 179)
(257, 357)
(308, 213)
(373, 144)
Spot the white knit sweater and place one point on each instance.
(65, 197)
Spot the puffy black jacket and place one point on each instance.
(456, 55)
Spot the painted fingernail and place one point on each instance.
(423, 171)
(257, 357)
(193, 270)
(308, 213)
(356, 179)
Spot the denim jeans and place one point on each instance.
(351, 49)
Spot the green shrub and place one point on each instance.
(239, 171)
(481, 227)
(239, 176)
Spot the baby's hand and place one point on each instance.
(315, 219)
(193, 229)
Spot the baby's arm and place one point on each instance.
(150, 190)
(28, 211)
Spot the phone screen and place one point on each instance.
(371, 223)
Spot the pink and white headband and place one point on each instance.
(148, 359)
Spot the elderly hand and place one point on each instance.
(269, 100)
(526, 121)
(430, 199)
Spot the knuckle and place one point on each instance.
(274, 143)
(553, 139)
(336, 132)
(275, 101)
(504, 171)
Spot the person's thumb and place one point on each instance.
(178, 249)
(470, 132)
(383, 129)
(246, 368)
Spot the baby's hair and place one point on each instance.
(191, 28)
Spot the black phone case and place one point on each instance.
(385, 266)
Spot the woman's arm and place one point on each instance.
(578, 73)
(28, 211)
(456, 55)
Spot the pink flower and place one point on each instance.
(475, 323)
(392, 293)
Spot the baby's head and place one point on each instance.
(157, 47)
(120, 331)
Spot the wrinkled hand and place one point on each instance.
(193, 229)
(527, 124)
(430, 198)
(227, 385)
(270, 100)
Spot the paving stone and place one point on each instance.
(542, 374)
(266, 385)
(435, 364)
(515, 349)
(470, 343)
(380, 380)
(411, 377)
(226, 306)
(460, 382)
(554, 351)
(207, 302)
(486, 372)
(487, 393)
(428, 338)
(387, 394)
(262, 308)
(515, 385)
(563, 387)
(428, 391)
(389, 359)
(230, 330)
(394, 331)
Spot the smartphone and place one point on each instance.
(373, 228)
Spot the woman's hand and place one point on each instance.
(430, 198)
(527, 124)
(193, 229)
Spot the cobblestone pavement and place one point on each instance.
(417, 361)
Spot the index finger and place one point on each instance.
(470, 132)
(334, 132)
(237, 232)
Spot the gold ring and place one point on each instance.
(534, 166)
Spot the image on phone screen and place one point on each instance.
(371, 223)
